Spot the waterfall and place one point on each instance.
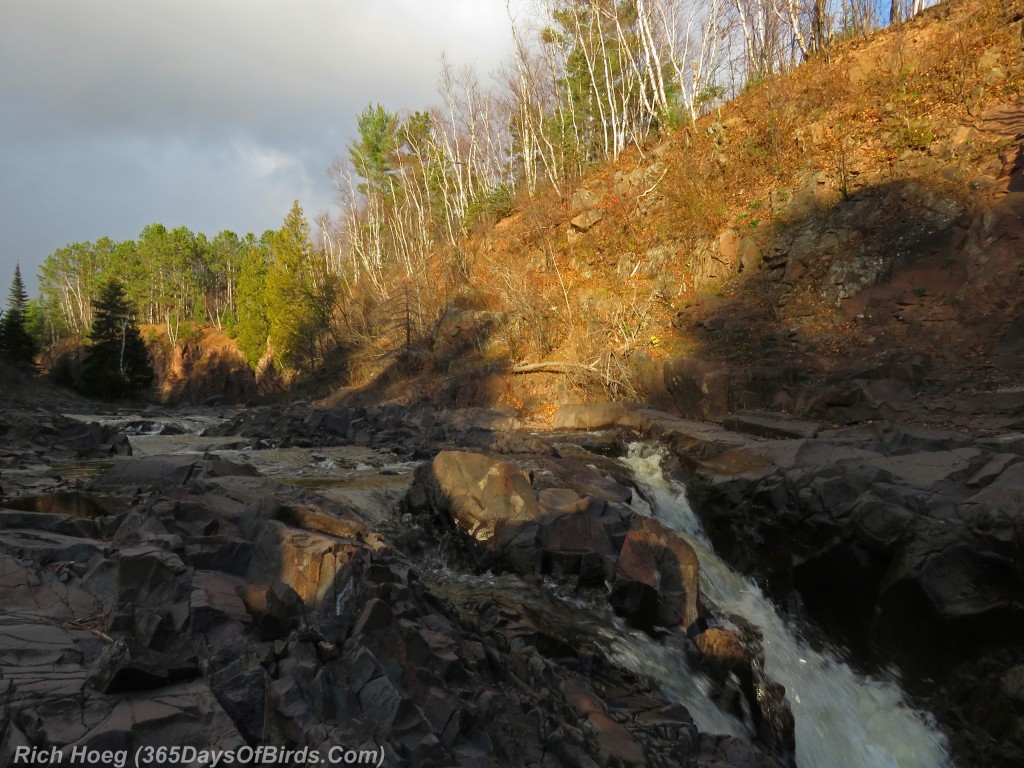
(844, 719)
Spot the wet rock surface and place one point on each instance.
(205, 604)
(900, 539)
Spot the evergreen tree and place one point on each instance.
(116, 363)
(16, 343)
(297, 307)
(253, 326)
(373, 156)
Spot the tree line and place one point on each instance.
(273, 292)
(172, 277)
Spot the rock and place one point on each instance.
(848, 277)
(182, 715)
(697, 388)
(307, 562)
(859, 401)
(83, 439)
(45, 548)
(723, 651)
(480, 491)
(241, 689)
(274, 609)
(579, 543)
(750, 255)
(164, 472)
(584, 199)
(729, 248)
(321, 521)
(586, 220)
(584, 478)
(385, 704)
(376, 615)
(215, 600)
(460, 330)
(592, 416)
(656, 577)
(124, 666)
(815, 193)
(335, 421)
(934, 606)
(771, 425)
(206, 368)
(562, 501)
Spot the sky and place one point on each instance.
(209, 114)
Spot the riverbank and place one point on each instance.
(273, 553)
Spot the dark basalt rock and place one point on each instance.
(124, 666)
(225, 608)
(166, 472)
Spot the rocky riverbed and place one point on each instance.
(455, 587)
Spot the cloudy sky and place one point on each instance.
(209, 114)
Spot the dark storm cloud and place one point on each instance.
(212, 114)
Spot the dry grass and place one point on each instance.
(878, 111)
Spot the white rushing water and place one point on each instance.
(843, 719)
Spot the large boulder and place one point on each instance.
(657, 577)
(479, 492)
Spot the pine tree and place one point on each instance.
(116, 363)
(297, 308)
(253, 326)
(373, 156)
(16, 343)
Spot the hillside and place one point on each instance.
(865, 206)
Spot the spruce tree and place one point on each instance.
(253, 326)
(116, 363)
(297, 311)
(16, 343)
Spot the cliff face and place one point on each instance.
(203, 367)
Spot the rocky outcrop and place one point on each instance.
(224, 609)
(586, 536)
(204, 367)
(37, 434)
(901, 540)
(653, 573)
(699, 389)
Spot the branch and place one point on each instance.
(551, 367)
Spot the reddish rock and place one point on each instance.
(657, 578)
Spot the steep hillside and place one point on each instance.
(867, 205)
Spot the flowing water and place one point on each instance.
(843, 719)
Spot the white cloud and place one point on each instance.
(265, 162)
